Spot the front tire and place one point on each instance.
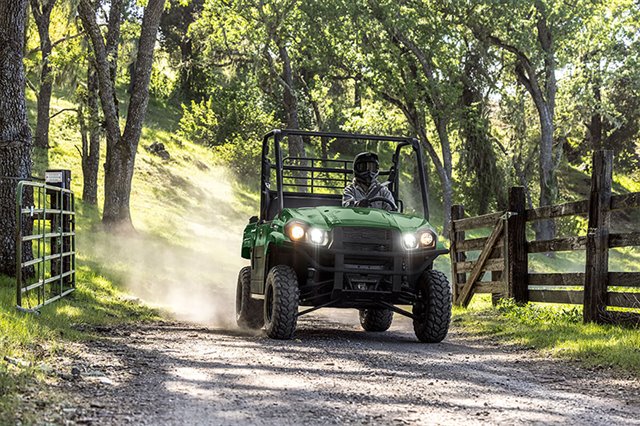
(432, 309)
(376, 319)
(281, 300)
(248, 310)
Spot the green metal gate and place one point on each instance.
(45, 252)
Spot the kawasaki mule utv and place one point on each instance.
(307, 250)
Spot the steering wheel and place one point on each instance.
(393, 205)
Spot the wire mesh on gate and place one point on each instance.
(45, 244)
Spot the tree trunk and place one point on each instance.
(186, 67)
(121, 149)
(112, 41)
(546, 229)
(119, 172)
(595, 127)
(42, 17)
(15, 136)
(296, 148)
(91, 144)
(447, 187)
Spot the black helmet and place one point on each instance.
(366, 167)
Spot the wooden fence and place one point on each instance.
(505, 252)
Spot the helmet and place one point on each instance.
(366, 167)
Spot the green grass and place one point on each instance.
(31, 341)
(555, 330)
(166, 195)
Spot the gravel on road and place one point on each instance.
(331, 373)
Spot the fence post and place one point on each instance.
(516, 256)
(457, 212)
(597, 261)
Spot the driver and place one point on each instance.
(365, 185)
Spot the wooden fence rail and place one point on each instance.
(505, 251)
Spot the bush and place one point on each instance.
(199, 123)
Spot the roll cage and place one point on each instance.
(317, 175)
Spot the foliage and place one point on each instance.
(199, 123)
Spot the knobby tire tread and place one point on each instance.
(286, 297)
(376, 319)
(250, 315)
(432, 326)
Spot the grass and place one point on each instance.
(165, 196)
(555, 330)
(29, 342)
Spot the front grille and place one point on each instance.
(367, 239)
(365, 235)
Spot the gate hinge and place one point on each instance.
(507, 215)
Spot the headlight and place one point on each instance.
(410, 241)
(295, 231)
(318, 236)
(427, 239)
(300, 231)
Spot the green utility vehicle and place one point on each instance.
(306, 250)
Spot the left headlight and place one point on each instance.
(318, 236)
(421, 239)
(427, 239)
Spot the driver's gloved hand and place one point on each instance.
(362, 203)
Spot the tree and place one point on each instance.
(601, 100)
(174, 27)
(478, 164)
(89, 121)
(508, 27)
(421, 87)
(15, 136)
(121, 147)
(41, 10)
(264, 33)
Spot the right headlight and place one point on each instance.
(300, 231)
(295, 230)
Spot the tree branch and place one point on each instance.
(61, 111)
(57, 42)
(32, 86)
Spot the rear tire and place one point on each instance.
(432, 309)
(376, 319)
(281, 300)
(248, 310)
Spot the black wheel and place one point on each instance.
(281, 302)
(248, 310)
(376, 319)
(432, 309)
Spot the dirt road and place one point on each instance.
(332, 373)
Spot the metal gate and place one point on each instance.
(45, 252)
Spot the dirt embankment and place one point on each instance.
(332, 373)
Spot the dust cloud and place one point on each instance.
(184, 257)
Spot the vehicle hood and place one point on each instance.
(329, 217)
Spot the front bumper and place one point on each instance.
(356, 278)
